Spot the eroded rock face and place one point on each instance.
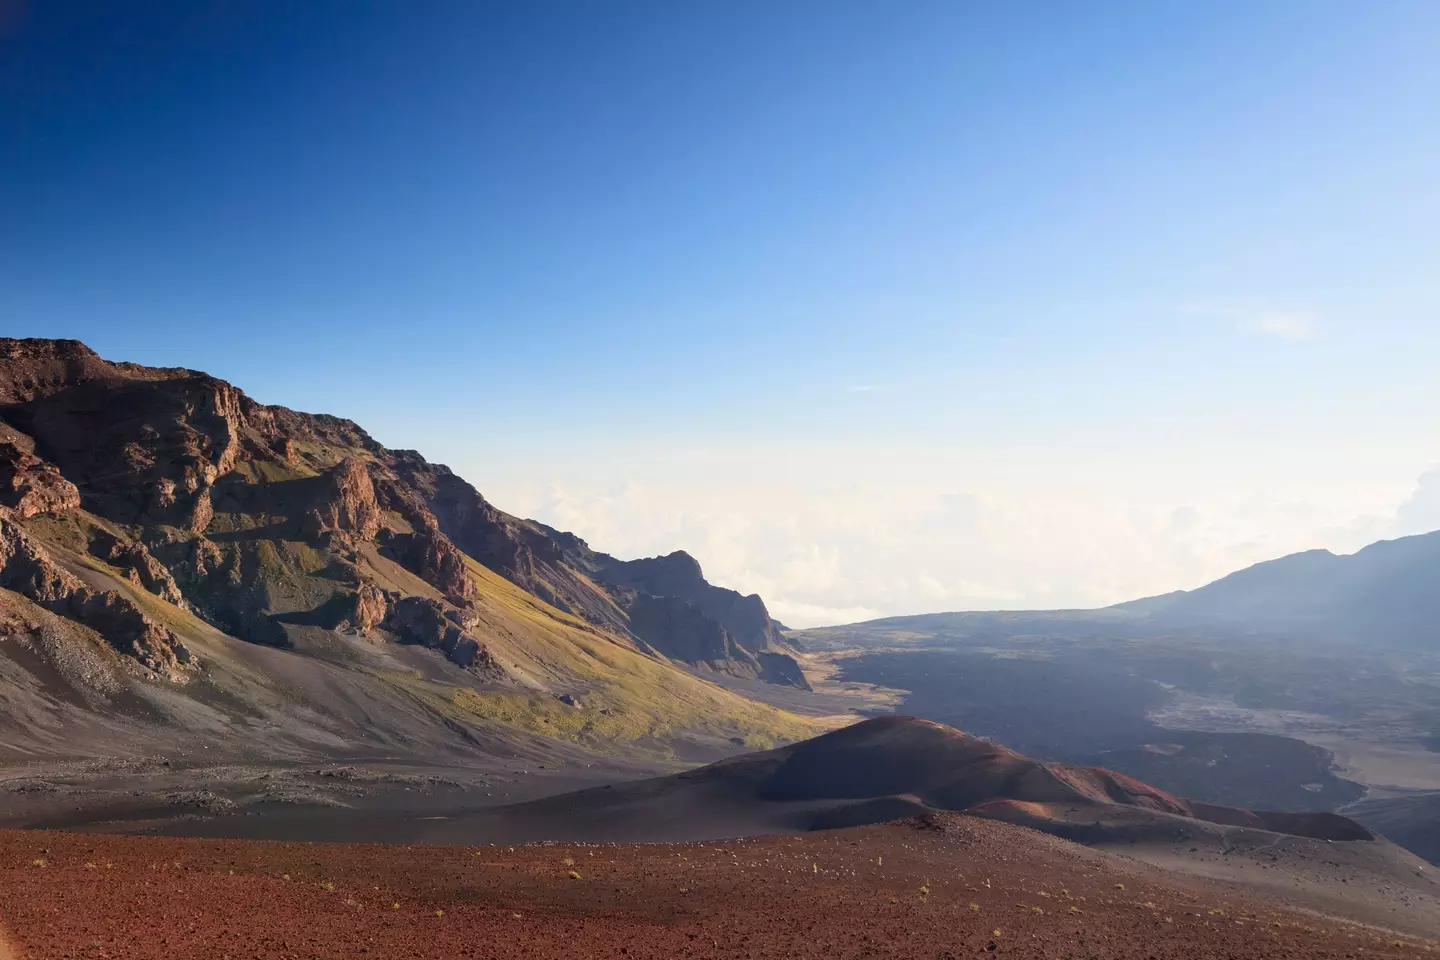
(141, 451)
(32, 486)
(28, 569)
(367, 609)
(677, 611)
(140, 566)
(431, 624)
(427, 552)
(348, 507)
(781, 668)
(438, 562)
(678, 629)
(116, 618)
(678, 574)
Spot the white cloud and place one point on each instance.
(1289, 325)
(1294, 327)
(1421, 512)
(862, 388)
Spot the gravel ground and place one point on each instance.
(948, 887)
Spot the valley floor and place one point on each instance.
(946, 887)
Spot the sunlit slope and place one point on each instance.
(336, 693)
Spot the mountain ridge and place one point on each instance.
(1385, 591)
(137, 503)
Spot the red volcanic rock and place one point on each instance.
(428, 552)
(31, 486)
(348, 506)
(142, 445)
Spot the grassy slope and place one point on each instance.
(625, 696)
(629, 702)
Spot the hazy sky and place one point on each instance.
(873, 307)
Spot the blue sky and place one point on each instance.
(1150, 290)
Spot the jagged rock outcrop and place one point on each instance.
(140, 566)
(563, 570)
(348, 506)
(431, 624)
(782, 669)
(426, 551)
(29, 570)
(431, 556)
(116, 618)
(369, 606)
(32, 486)
(680, 630)
(757, 648)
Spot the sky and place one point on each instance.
(874, 308)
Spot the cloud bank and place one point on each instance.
(839, 553)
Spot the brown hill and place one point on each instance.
(150, 518)
(872, 771)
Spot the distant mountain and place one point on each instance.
(158, 515)
(1387, 594)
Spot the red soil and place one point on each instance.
(936, 888)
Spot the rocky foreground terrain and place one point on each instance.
(1038, 850)
(945, 886)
